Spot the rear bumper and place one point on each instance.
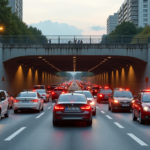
(23, 107)
(120, 107)
(102, 99)
(85, 116)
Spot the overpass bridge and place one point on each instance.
(117, 61)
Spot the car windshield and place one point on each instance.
(87, 94)
(38, 87)
(26, 95)
(72, 98)
(123, 94)
(146, 98)
(41, 91)
(106, 91)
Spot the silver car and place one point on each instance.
(28, 101)
(45, 95)
(90, 100)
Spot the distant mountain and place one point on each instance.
(54, 28)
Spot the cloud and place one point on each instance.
(54, 28)
(97, 28)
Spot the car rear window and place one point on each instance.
(146, 98)
(72, 98)
(38, 87)
(105, 91)
(41, 91)
(123, 94)
(26, 95)
(87, 94)
(96, 88)
(59, 90)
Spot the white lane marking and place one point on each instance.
(40, 115)
(103, 112)
(49, 107)
(14, 134)
(108, 117)
(53, 104)
(137, 139)
(97, 107)
(119, 125)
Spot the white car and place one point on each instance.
(90, 100)
(4, 105)
(28, 101)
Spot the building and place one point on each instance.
(136, 11)
(17, 7)
(111, 23)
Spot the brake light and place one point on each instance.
(53, 93)
(127, 89)
(16, 101)
(106, 87)
(33, 90)
(95, 90)
(100, 95)
(59, 107)
(87, 107)
(62, 92)
(34, 101)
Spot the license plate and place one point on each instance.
(72, 108)
(125, 104)
(25, 101)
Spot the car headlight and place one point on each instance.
(92, 103)
(146, 108)
(116, 101)
(133, 101)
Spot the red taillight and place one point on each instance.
(34, 101)
(62, 92)
(87, 107)
(100, 95)
(16, 101)
(53, 93)
(95, 90)
(33, 90)
(57, 107)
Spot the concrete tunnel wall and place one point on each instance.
(132, 77)
(15, 77)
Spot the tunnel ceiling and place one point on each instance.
(95, 64)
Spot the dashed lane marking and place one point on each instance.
(103, 112)
(49, 107)
(108, 117)
(137, 139)
(98, 107)
(14, 134)
(119, 125)
(40, 115)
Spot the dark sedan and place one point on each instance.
(73, 107)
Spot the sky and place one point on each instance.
(74, 17)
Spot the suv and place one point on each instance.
(4, 105)
(141, 107)
(120, 99)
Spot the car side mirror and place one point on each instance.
(135, 96)
(2, 98)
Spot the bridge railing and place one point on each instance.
(80, 39)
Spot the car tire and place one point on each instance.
(89, 123)
(39, 109)
(42, 108)
(109, 108)
(55, 123)
(15, 111)
(112, 109)
(94, 113)
(11, 106)
(134, 118)
(0, 115)
(141, 121)
(7, 113)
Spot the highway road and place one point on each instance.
(110, 131)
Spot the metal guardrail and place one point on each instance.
(81, 39)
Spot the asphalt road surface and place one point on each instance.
(110, 131)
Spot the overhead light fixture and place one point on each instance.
(43, 59)
(105, 59)
(109, 57)
(40, 57)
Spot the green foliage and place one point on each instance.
(83, 74)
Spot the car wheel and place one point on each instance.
(39, 109)
(141, 121)
(109, 107)
(15, 111)
(89, 123)
(55, 123)
(112, 109)
(11, 106)
(0, 115)
(134, 118)
(94, 113)
(7, 113)
(42, 108)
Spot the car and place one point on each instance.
(120, 99)
(51, 88)
(44, 95)
(28, 100)
(10, 99)
(141, 106)
(56, 93)
(103, 94)
(4, 105)
(72, 107)
(39, 87)
(94, 90)
(90, 100)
